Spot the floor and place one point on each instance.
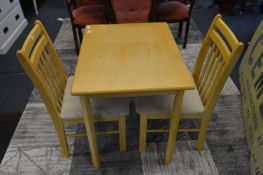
(15, 87)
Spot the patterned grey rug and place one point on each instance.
(34, 148)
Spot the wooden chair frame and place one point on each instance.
(219, 53)
(42, 64)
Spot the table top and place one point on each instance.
(129, 60)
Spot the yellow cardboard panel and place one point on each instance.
(251, 81)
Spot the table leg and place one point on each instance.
(90, 128)
(174, 123)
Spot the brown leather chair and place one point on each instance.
(130, 11)
(176, 11)
(84, 15)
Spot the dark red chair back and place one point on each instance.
(130, 11)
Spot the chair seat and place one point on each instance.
(172, 11)
(94, 14)
(163, 104)
(101, 107)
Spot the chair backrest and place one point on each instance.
(131, 11)
(42, 64)
(219, 53)
(190, 4)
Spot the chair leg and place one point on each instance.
(143, 132)
(75, 39)
(80, 34)
(122, 133)
(171, 141)
(186, 33)
(202, 134)
(180, 29)
(91, 133)
(62, 140)
(174, 124)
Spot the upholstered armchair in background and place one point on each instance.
(176, 11)
(130, 11)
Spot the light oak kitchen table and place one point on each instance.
(118, 60)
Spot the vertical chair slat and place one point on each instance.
(50, 82)
(207, 72)
(60, 80)
(206, 60)
(48, 85)
(212, 77)
(54, 74)
(57, 64)
(216, 77)
(211, 72)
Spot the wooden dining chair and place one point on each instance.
(130, 11)
(219, 53)
(42, 64)
(81, 15)
(176, 11)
